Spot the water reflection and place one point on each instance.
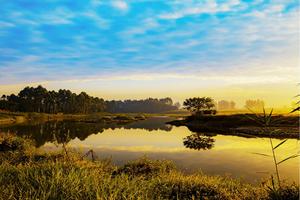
(198, 141)
(63, 132)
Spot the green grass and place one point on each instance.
(29, 174)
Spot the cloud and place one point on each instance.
(29, 59)
(100, 22)
(121, 5)
(145, 25)
(96, 2)
(60, 16)
(209, 7)
(4, 24)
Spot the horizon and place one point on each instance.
(231, 50)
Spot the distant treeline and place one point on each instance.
(149, 105)
(39, 99)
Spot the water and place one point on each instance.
(212, 154)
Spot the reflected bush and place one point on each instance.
(198, 142)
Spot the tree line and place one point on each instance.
(150, 105)
(39, 99)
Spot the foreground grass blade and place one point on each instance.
(280, 144)
(296, 109)
(262, 154)
(290, 157)
(268, 120)
(263, 172)
(256, 119)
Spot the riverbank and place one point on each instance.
(240, 125)
(13, 118)
(26, 173)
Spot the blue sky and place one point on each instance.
(213, 43)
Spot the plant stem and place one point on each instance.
(65, 149)
(275, 162)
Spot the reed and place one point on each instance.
(266, 121)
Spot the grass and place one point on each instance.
(87, 180)
(12, 118)
(30, 174)
(7, 118)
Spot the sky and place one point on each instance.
(235, 49)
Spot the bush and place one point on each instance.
(198, 186)
(9, 142)
(290, 192)
(123, 118)
(146, 167)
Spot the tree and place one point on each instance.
(150, 105)
(202, 105)
(226, 105)
(39, 99)
(232, 105)
(177, 104)
(255, 104)
(167, 101)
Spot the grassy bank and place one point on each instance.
(241, 125)
(26, 173)
(11, 118)
(20, 117)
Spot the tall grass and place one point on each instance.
(86, 180)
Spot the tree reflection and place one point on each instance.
(62, 132)
(56, 131)
(198, 141)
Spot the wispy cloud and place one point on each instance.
(100, 21)
(58, 16)
(4, 24)
(145, 25)
(121, 5)
(206, 7)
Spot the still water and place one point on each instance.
(191, 152)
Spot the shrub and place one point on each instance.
(199, 186)
(290, 192)
(145, 166)
(9, 142)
